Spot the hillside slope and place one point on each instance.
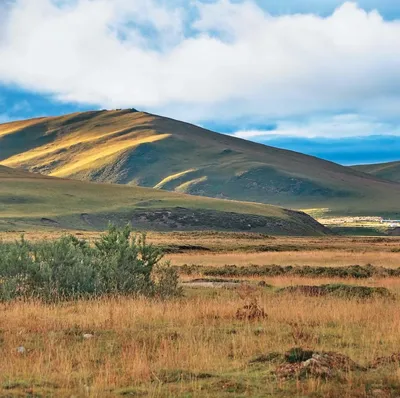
(388, 171)
(135, 148)
(32, 200)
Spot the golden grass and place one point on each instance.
(138, 346)
(84, 157)
(83, 146)
(168, 179)
(135, 341)
(312, 258)
(9, 128)
(92, 157)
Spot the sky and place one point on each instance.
(320, 77)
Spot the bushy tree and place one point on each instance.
(69, 268)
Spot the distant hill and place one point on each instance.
(388, 171)
(135, 148)
(30, 200)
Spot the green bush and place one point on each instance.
(68, 268)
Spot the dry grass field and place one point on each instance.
(200, 345)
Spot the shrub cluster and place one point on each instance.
(69, 268)
(352, 271)
(339, 290)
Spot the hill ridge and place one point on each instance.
(139, 148)
(389, 171)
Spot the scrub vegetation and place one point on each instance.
(118, 264)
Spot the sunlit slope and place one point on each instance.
(389, 171)
(129, 147)
(33, 200)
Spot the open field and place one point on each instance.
(199, 345)
(192, 348)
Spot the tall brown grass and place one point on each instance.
(134, 341)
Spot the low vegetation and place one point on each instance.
(69, 268)
(339, 290)
(353, 271)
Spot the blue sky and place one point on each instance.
(320, 77)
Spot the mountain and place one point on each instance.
(136, 148)
(29, 200)
(388, 171)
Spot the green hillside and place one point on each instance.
(135, 148)
(30, 201)
(388, 171)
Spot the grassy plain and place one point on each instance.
(30, 201)
(196, 346)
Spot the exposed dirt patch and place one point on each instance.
(307, 364)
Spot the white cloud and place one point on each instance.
(340, 126)
(237, 60)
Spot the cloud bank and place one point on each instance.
(207, 61)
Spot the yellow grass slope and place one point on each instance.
(87, 146)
